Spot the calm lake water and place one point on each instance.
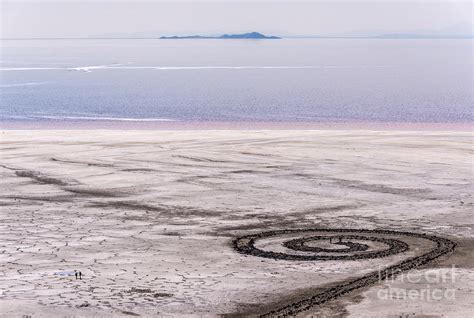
(288, 80)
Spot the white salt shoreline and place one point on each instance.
(172, 124)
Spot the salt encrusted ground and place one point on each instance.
(149, 218)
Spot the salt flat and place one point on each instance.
(149, 218)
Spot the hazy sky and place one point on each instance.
(68, 18)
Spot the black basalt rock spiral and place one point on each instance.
(301, 244)
(343, 245)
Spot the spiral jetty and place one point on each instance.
(351, 251)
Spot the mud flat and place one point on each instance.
(151, 219)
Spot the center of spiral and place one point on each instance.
(344, 245)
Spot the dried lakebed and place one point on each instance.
(149, 217)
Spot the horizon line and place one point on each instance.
(380, 37)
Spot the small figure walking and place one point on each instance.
(80, 275)
(75, 274)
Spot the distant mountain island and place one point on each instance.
(251, 35)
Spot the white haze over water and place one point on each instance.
(289, 80)
(152, 18)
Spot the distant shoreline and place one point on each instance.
(208, 125)
(242, 36)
